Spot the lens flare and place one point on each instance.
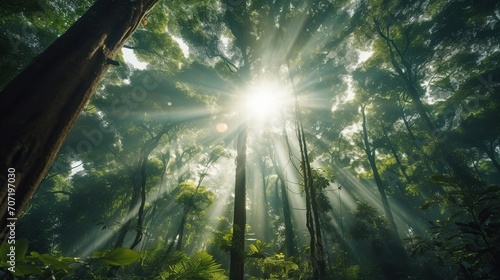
(221, 127)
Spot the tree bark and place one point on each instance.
(236, 271)
(40, 106)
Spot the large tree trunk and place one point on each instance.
(236, 271)
(40, 106)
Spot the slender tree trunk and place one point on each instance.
(378, 180)
(138, 179)
(290, 244)
(40, 106)
(263, 220)
(395, 154)
(178, 235)
(139, 191)
(312, 214)
(236, 271)
(490, 152)
(405, 71)
(396, 247)
(417, 143)
(291, 248)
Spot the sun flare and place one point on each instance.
(265, 100)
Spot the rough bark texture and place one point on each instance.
(40, 106)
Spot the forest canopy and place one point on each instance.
(233, 139)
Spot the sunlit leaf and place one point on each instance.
(120, 257)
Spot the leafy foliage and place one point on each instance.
(421, 76)
(468, 239)
(200, 265)
(48, 266)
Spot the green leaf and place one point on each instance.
(23, 269)
(120, 257)
(21, 248)
(484, 215)
(72, 260)
(427, 203)
(253, 248)
(442, 180)
(4, 250)
(100, 254)
(51, 261)
(258, 244)
(257, 256)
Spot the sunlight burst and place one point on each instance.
(265, 100)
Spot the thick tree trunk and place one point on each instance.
(236, 271)
(41, 104)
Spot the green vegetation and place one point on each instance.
(318, 139)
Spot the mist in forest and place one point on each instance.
(282, 139)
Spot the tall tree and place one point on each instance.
(370, 154)
(41, 104)
(239, 215)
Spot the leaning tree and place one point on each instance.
(41, 104)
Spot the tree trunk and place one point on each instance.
(236, 271)
(416, 143)
(405, 71)
(312, 214)
(291, 248)
(378, 180)
(40, 106)
(138, 178)
(401, 167)
(490, 152)
(262, 225)
(394, 242)
(290, 244)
